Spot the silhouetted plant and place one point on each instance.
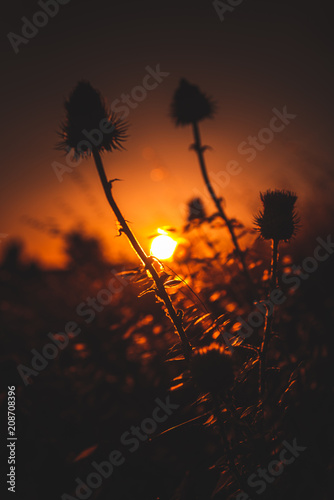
(277, 222)
(195, 209)
(212, 370)
(217, 381)
(189, 107)
(87, 111)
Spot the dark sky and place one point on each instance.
(263, 55)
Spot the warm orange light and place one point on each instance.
(163, 246)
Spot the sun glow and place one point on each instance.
(163, 246)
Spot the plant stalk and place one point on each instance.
(268, 321)
(199, 150)
(145, 259)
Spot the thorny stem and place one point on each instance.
(229, 454)
(199, 150)
(174, 316)
(145, 259)
(268, 321)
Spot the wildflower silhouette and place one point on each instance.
(195, 209)
(86, 112)
(278, 221)
(189, 107)
(211, 369)
(195, 220)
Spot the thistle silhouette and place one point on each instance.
(211, 369)
(86, 113)
(278, 221)
(189, 107)
(196, 210)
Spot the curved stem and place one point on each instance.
(145, 259)
(199, 150)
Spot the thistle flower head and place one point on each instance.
(212, 370)
(195, 209)
(278, 220)
(190, 105)
(89, 124)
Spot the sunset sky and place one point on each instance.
(263, 55)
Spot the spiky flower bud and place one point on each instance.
(190, 105)
(89, 124)
(196, 209)
(211, 369)
(278, 220)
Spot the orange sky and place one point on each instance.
(253, 62)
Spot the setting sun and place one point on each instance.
(163, 246)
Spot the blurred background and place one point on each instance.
(59, 248)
